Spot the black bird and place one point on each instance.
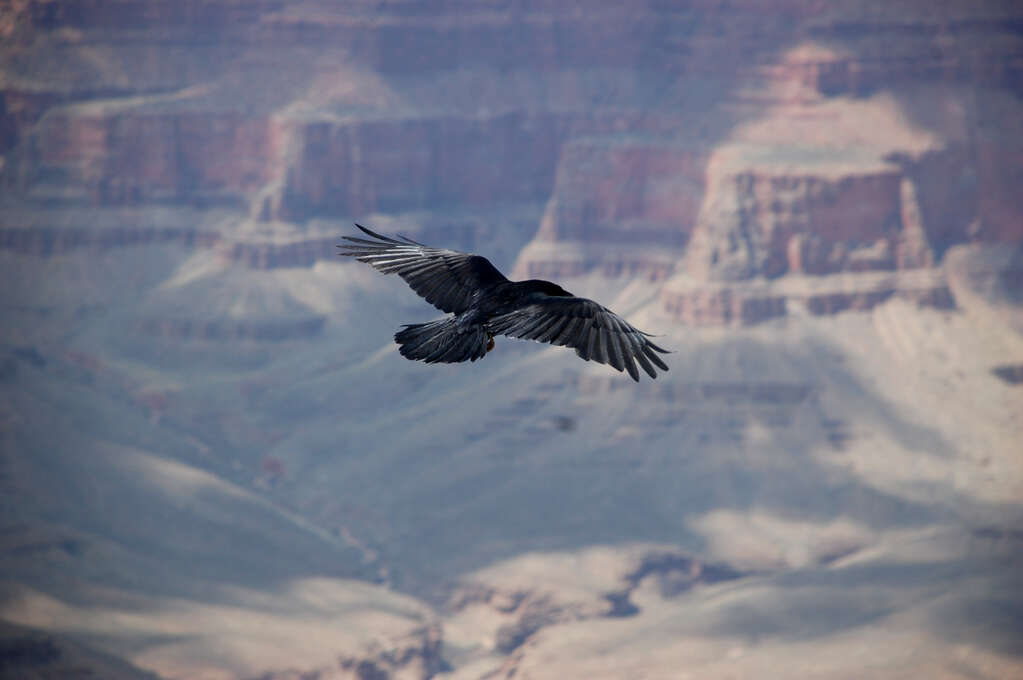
(484, 304)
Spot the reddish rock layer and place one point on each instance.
(833, 303)
(626, 191)
(134, 157)
(46, 242)
(721, 307)
(352, 169)
(49, 242)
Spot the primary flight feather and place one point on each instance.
(483, 303)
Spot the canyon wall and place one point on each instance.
(832, 140)
(202, 413)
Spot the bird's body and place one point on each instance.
(484, 303)
(507, 296)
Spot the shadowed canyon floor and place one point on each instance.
(807, 487)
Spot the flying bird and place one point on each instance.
(483, 303)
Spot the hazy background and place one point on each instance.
(215, 464)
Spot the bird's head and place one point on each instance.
(548, 288)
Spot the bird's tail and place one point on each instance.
(443, 341)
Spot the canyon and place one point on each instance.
(214, 463)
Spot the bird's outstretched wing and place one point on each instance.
(594, 331)
(446, 278)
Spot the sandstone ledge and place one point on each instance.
(744, 303)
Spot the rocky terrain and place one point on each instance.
(214, 464)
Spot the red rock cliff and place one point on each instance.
(715, 142)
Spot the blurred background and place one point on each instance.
(215, 464)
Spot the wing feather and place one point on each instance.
(544, 327)
(569, 332)
(595, 332)
(616, 355)
(580, 335)
(630, 365)
(595, 347)
(648, 350)
(645, 363)
(558, 329)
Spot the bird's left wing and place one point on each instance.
(446, 278)
(594, 331)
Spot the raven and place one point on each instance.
(485, 303)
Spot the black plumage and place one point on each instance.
(484, 303)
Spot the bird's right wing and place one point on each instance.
(446, 278)
(594, 331)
